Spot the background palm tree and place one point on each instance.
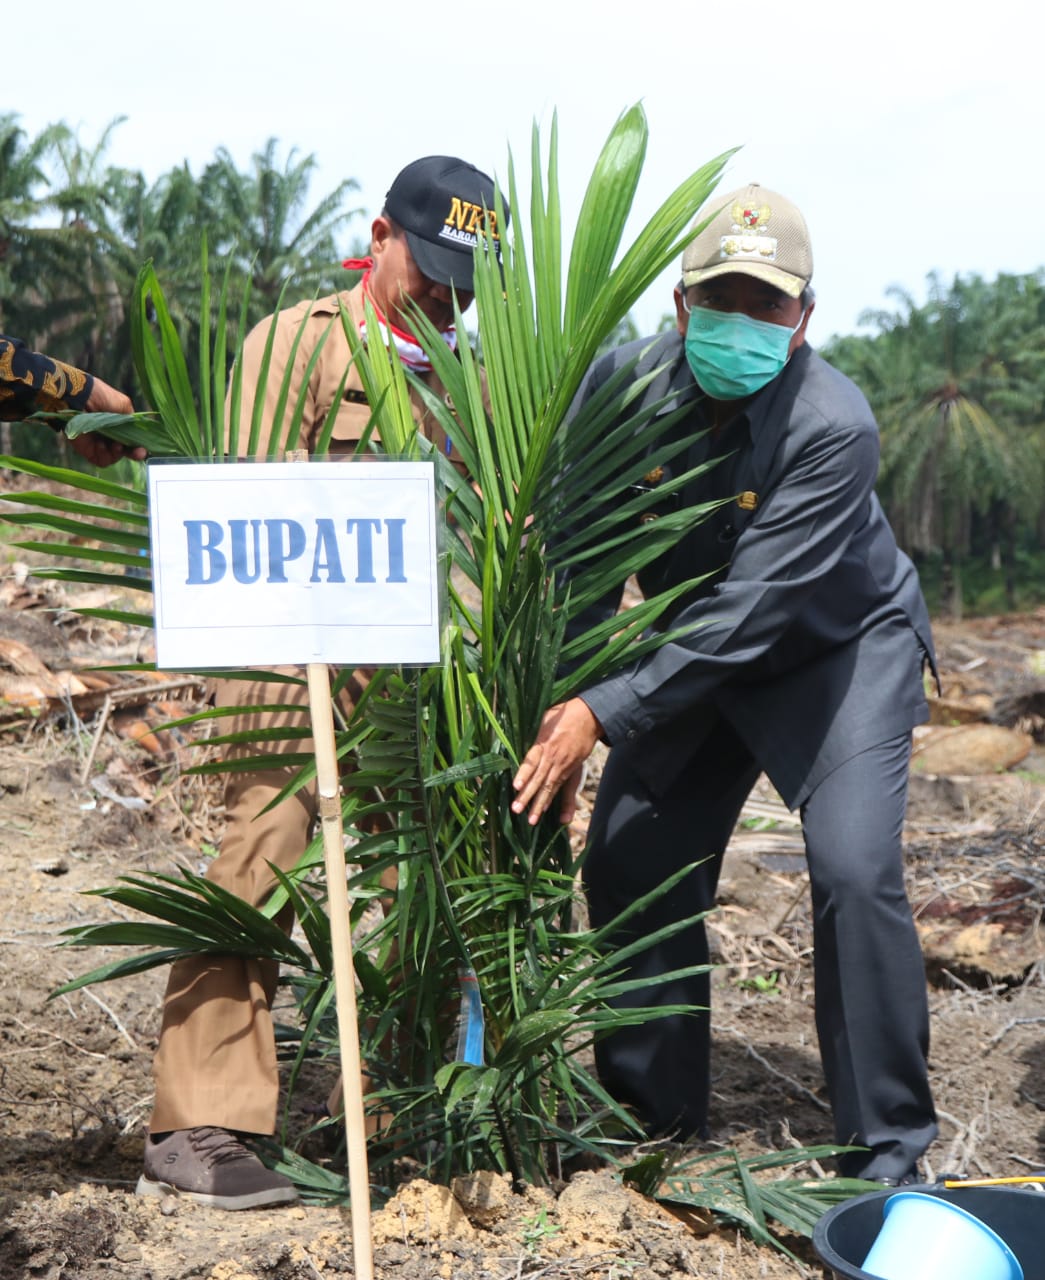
(263, 219)
(74, 232)
(24, 197)
(29, 251)
(82, 299)
(956, 385)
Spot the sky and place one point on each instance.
(908, 132)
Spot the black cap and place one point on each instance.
(442, 204)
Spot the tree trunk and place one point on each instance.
(951, 585)
(1008, 558)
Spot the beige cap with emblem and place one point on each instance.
(757, 233)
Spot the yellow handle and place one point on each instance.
(994, 1182)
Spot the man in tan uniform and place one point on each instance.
(216, 1071)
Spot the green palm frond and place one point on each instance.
(200, 916)
(735, 1190)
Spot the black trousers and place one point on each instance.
(871, 1008)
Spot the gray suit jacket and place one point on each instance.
(809, 637)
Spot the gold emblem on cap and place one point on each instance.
(655, 476)
(748, 238)
(747, 501)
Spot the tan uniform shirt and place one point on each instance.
(353, 413)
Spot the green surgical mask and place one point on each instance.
(732, 355)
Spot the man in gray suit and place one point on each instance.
(802, 657)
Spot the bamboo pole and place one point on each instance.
(328, 785)
(328, 782)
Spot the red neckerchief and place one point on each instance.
(411, 353)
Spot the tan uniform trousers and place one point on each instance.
(216, 1063)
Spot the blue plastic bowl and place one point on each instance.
(845, 1235)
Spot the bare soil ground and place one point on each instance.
(89, 791)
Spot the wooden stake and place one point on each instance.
(329, 787)
(103, 720)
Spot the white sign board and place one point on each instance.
(259, 564)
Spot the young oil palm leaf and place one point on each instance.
(111, 529)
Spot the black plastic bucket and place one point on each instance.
(844, 1235)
